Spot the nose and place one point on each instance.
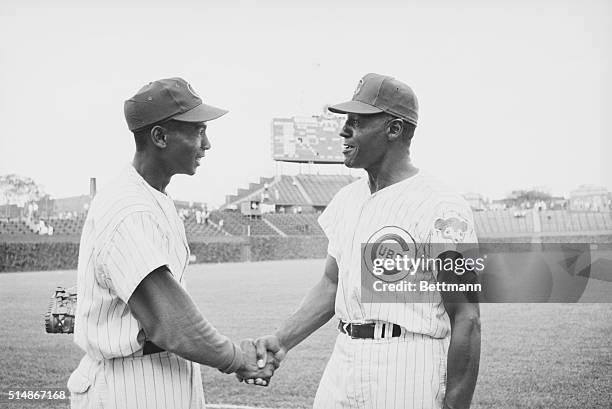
(344, 132)
(205, 144)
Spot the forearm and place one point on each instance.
(316, 309)
(463, 362)
(172, 321)
(192, 337)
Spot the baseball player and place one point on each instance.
(142, 334)
(408, 350)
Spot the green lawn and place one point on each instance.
(533, 355)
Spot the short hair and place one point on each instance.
(407, 130)
(141, 135)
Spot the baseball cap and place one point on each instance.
(377, 93)
(170, 98)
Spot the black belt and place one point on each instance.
(366, 331)
(150, 348)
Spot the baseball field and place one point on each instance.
(533, 355)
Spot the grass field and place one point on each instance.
(533, 355)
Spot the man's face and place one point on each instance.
(365, 142)
(186, 144)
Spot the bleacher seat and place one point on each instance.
(288, 193)
(237, 224)
(194, 230)
(296, 224)
(322, 188)
(14, 227)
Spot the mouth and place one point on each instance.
(198, 159)
(347, 149)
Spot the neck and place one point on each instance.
(151, 171)
(392, 169)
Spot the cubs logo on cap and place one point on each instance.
(190, 89)
(358, 88)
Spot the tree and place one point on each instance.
(16, 189)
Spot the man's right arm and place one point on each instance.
(172, 321)
(316, 309)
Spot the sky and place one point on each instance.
(512, 95)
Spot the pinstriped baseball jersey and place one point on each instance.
(409, 371)
(418, 207)
(131, 229)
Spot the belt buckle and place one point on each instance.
(348, 329)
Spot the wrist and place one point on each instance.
(237, 361)
(282, 342)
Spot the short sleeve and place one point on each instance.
(136, 248)
(329, 223)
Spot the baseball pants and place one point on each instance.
(405, 372)
(161, 380)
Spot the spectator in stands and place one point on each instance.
(206, 216)
(221, 224)
(50, 230)
(30, 211)
(42, 227)
(198, 215)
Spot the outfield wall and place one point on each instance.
(58, 254)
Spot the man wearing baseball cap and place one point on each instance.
(394, 349)
(142, 334)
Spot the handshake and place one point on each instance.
(261, 358)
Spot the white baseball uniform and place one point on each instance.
(387, 372)
(131, 229)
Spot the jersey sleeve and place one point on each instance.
(329, 222)
(136, 248)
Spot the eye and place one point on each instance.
(354, 122)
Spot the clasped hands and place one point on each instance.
(262, 357)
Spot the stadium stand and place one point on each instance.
(14, 227)
(195, 230)
(237, 224)
(66, 227)
(322, 188)
(499, 222)
(286, 190)
(296, 224)
(253, 189)
(569, 222)
(295, 202)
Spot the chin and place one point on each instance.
(352, 165)
(189, 172)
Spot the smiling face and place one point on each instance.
(186, 145)
(365, 140)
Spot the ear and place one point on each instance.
(158, 136)
(395, 129)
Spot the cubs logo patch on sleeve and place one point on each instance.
(453, 228)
